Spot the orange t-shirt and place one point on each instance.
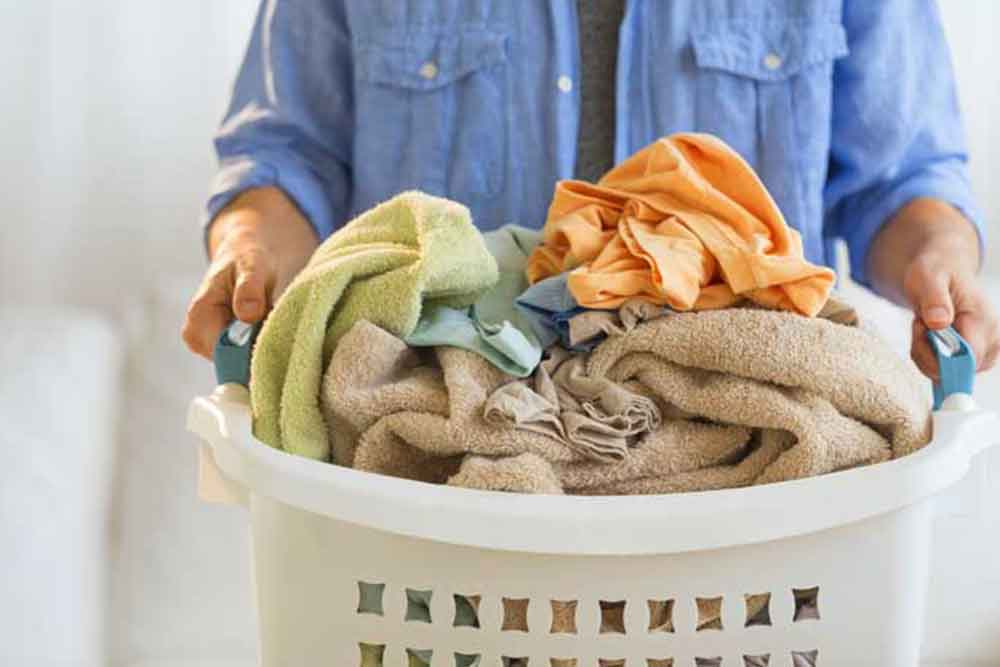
(684, 222)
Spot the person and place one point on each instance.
(847, 110)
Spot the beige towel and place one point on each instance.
(393, 410)
(747, 396)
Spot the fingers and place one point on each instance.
(928, 289)
(973, 316)
(209, 313)
(921, 351)
(981, 334)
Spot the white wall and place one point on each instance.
(972, 26)
(106, 117)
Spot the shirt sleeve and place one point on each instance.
(897, 131)
(289, 120)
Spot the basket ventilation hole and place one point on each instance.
(709, 613)
(708, 662)
(662, 662)
(611, 662)
(514, 662)
(371, 654)
(467, 660)
(416, 657)
(805, 658)
(563, 617)
(466, 611)
(418, 605)
(758, 609)
(661, 615)
(613, 616)
(562, 662)
(370, 598)
(806, 603)
(515, 617)
(757, 660)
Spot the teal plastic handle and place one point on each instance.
(232, 353)
(956, 364)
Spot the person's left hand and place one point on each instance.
(942, 295)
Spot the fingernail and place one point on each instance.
(249, 305)
(936, 313)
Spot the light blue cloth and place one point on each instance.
(846, 108)
(492, 327)
(549, 306)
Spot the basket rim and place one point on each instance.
(587, 525)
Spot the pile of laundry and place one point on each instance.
(663, 333)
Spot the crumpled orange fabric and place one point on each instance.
(684, 222)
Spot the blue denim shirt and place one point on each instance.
(846, 108)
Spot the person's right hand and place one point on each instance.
(257, 244)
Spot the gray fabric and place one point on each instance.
(593, 325)
(597, 419)
(599, 21)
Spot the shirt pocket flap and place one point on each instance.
(424, 60)
(769, 50)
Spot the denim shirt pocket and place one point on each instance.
(765, 84)
(434, 108)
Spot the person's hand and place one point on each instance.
(927, 257)
(942, 296)
(257, 244)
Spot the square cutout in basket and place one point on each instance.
(806, 604)
(661, 615)
(805, 658)
(417, 657)
(612, 616)
(758, 609)
(466, 611)
(370, 598)
(515, 615)
(371, 654)
(418, 605)
(563, 617)
(709, 613)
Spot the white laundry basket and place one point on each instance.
(851, 545)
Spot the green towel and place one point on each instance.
(492, 327)
(381, 267)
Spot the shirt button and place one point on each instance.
(772, 61)
(428, 70)
(565, 83)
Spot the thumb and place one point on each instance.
(930, 294)
(254, 277)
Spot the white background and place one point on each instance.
(107, 109)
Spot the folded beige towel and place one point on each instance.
(744, 396)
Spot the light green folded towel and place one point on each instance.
(383, 267)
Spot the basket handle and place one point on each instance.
(956, 365)
(232, 353)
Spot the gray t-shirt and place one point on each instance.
(595, 145)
